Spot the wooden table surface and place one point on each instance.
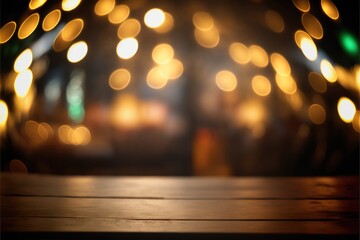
(86, 207)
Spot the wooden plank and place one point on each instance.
(180, 187)
(91, 225)
(165, 209)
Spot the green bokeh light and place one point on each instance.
(349, 43)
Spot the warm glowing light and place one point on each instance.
(65, 134)
(274, 21)
(258, 56)
(250, 114)
(23, 61)
(312, 25)
(119, 14)
(119, 79)
(317, 82)
(317, 114)
(125, 112)
(286, 83)
(239, 53)
(129, 29)
(356, 121)
(60, 44)
(77, 52)
(4, 112)
(72, 29)
(295, 100)
(34, 4)
(162, 53)
(302, 5)
(45, 131)
(28, 26)
(280, 64)
(203, 21)
(328, 71)
(104, 7)
(207, 39)
(127, 48)
(299, 36)
(167, 25)
(309, 49)
(154, 18)
(155, 79)
(51, 20)
(172, 69)
(261, 85)
(7, 31)
(81, 136)
(330, 9)
(226, 81)
(346, 109)
(68, 5)
(23, 82)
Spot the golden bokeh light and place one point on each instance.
(103, 7)
(28, 26)
(356, 121)
(127, 48)
(317, 114)
(208, 39)
(299, 36)
(7, 31)
(81, 136)
(302, 5)
(239, 53)
(34, 4)
(317, 82)
(42, 132)
(346, 109)
(65, 134)
(77, 52)
(23, 83)
(167, 25)
(250, 113)
(129, 28)
(345, 78)
(296, 100)
(23, 61)
(4, 113)
(274, 21)
(309, 49)
(312, 25)
(328, 71)
(203, 21)
(69, 5)
(162, 53)
(261, 85)
(119, 14)
(125, 112)
(72, 29)
(258, 56)
(280, 64)
(226, 81)
(286, 83)
(155, 79)
(172, 69)
(119, 79)
(60, 44)
(330, 9)
(154, 18)
(51, 20)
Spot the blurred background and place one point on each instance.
(202, 87)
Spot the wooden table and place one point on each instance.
(84, 207)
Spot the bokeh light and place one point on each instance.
(127, 48)
(77, 52)
(346, 109)
(7, 31)
(23, 61)
(51, 20)
(154, 18)
(28, 26)
(119, 79)
(226, 81)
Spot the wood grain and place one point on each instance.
(179, 209)
(84, 207)
(181, 187)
